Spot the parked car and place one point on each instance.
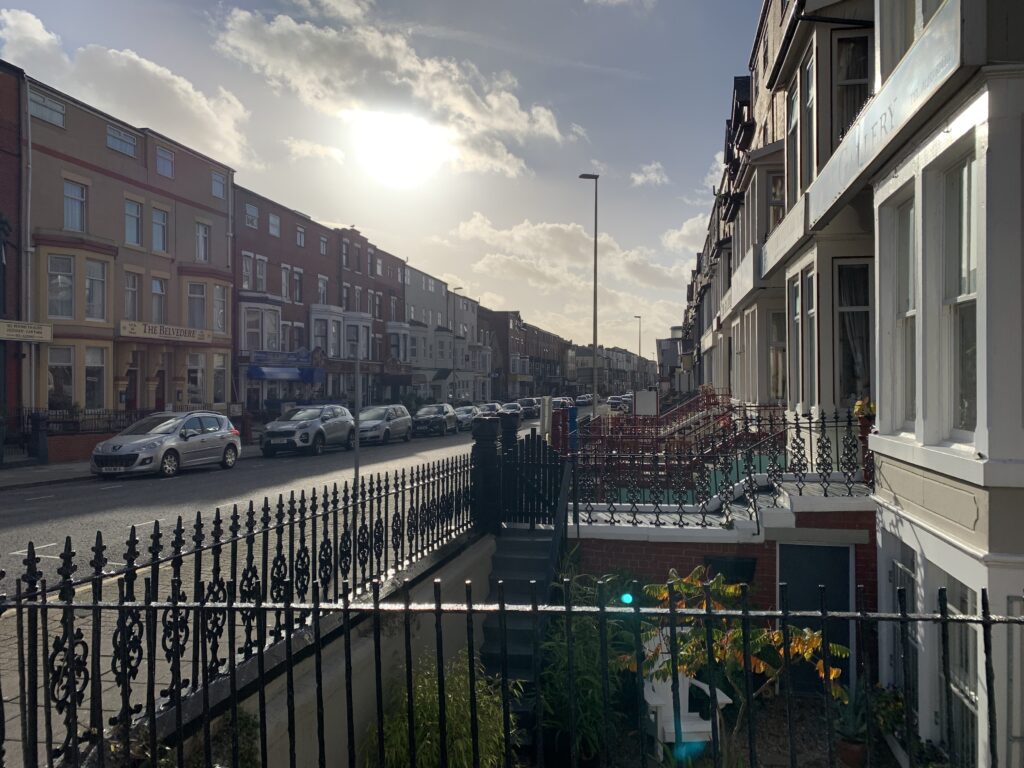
(557, 403)
(384, 423)
(465, 415)
(437, 419)
(614, 402)
(488, 409)
(309, 428)
(531, 407)
(165, 443)
(584, 399)
(515, 408)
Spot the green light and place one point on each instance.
(627, 599)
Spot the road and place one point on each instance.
(46, 515)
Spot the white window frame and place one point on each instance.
(273, 225)
(70, 274)
(838, 129)
(165, 162)
(322, 288)
(297, 285)
(905, 260)
(247, 271)
(218, 185)
(79, 201)
(202, 242)
(160, 244)
(102, 280)
(159, 317)
(131, 295)
(188, 305)
(323, 245)
(103, 377)
(220, 308)
(344, 253)
(133, 220)
(300, 236)
(46, 108)
(260, 283)
(808, 123)
(286, 282)
(792, 143)
(122, 141)
(252, 216)
(839, 310)
(220, 377)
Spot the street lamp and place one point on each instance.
(451, 317)
(639, 346)
(593, 177)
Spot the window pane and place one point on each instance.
(159, 230)
(202, 242)
(74, 206)
(220, 308)
(61, 287)
(132, 222)
(95, 290)
(854, 355)
(966, 356)
(196, 305)
(94, 377)
(159, 289)
(60, 383)
(164, 162)
(218, 185)
(960, 246)
(909, 369)
(131, 296)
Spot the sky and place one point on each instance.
(450, 132)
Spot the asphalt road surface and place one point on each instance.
(46, 515)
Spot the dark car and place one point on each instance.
(488, 409)
(515, 408)
(531, 407)
(436, 420)
(466, 414)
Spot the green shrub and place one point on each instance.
(425, 711)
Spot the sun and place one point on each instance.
(398, 150)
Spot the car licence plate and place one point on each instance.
(279, 441)
(112, 470)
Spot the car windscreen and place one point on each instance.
(511, 407)
(153, 425)
(373, 414)
(301, 414)
(430, 410)
(465, 409)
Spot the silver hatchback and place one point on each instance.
(310, 428)
(165, 443)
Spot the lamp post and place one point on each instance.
(593, 177)
(639, 346)
(451, 317)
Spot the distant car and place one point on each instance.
(384, 423)
(584, 399)
(531, 407)
(309, 428)
(435, 419)
(465, 415)
(515, 408)
(488, 409)
(557, 403)
(614, 402)
(164, 443)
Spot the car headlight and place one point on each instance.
(99, 448)
(302, 425)
(153, 444)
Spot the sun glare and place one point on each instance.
(398, 150)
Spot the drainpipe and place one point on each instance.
(26, 234)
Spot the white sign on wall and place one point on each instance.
(645, 403)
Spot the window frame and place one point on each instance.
(102, 280)
(273, 225)
(260, 274)
(161, 246)
(120, 140)
(203, 236)
(46, 108)
(221, 180)
(300, 236)
(165, 154)
(248, 275)
(162, 303)
(70, 365)
(102, 389)
(838, 311)
(129, 203)
(252, 216)
(838, 130)
(189, 296)
(131, 310)
(286, 282)
(220, 313)
(82, 204)
(49, 285)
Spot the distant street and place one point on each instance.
(46, 515)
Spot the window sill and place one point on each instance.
(956, 460)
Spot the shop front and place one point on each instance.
(269, 379)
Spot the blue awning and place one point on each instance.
(273, 373)
(312, 375)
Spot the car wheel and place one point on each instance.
(386, 437)
(170, 464)
(230, 457)
(408, 435)
(268, 451)
(350, 441)
(317, 447)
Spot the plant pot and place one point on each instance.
(852, 754)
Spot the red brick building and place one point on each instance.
(12, 89)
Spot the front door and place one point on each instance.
(803, 568)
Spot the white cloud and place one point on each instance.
(599, 167)
(577, 131)
(362, 66)
(301, 149)
(131, 87)
(338, 9)
(690, 237)
(714, 174)
(652, 174)
(644, 4)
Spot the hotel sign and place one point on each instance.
(15, 330)
(137, 329)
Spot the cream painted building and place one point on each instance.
(129, 263)
(880, 256)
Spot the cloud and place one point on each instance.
(301, 149)
(690, 237)
(642, 4)
(714, 174)
(577, 131)
(347, 10)
(334, 68)
(652, 174)
(599, 167)
(131, 87)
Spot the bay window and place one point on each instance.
(792, 164)
(196, 378)
(777, 356)
(60, 378)
(197, 305)
(851, 81)
(246, 271)
(220, 308)
(202, 242)
(776, 200)
(61, 287)
(335, 341)
(159, 299)
(253, 329)
(95, 290)
(802, 358)
(95, 377)
(961, 271)
(905, 248)
(807, 124)
(320, 334)
(220, 377)
(853, 331)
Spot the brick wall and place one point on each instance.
(73, 447)
(651, 561)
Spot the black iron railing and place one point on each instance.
(154, 702)
(730, 473)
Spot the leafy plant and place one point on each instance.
(587, 702)
(766, 643)
(852, 723)
(457, 718)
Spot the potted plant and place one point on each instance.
(852, 731)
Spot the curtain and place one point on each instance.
(855, 329)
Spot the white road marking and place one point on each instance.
(37, 498)
(42, 546)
